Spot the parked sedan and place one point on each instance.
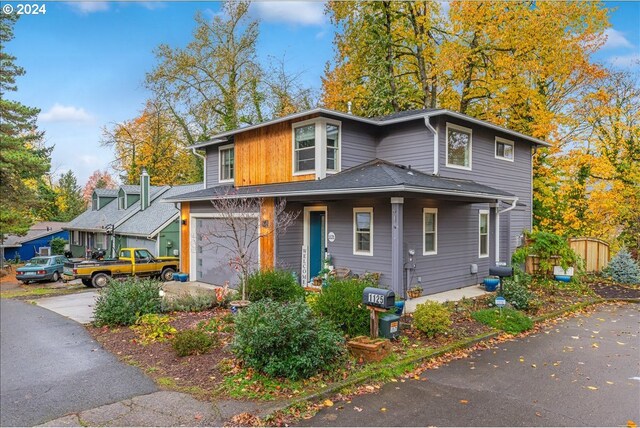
(47, 268)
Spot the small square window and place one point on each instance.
(458, 146)
(504, 149)
(227, 163)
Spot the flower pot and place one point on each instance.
(563, 278)
(490, 284)
(414, 294)
(399, 307)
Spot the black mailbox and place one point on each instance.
(379, 297)
(501, 271)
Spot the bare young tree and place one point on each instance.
(240, 227)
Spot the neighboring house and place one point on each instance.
(425, 196)
(129, 216)
(36, 241)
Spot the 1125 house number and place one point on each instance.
(377, 299)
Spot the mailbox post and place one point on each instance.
(377, 300)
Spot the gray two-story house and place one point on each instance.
(426, 196)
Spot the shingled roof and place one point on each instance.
(376, 176)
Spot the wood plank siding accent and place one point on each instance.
(264, 155)
(185, 208)
(267, 234)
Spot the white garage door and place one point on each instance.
(142, 243)
(213, 262)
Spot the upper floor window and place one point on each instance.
(430, 229)
(94, 203)
(363, 231)
(504, 149)
(304, 148)
(483, 250)
(458, 146)
(316, 147)
(227, 163)
(121, 202)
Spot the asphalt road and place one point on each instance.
(584, 371)
(51, 367)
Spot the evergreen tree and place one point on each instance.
(22, 154)
(69, 197)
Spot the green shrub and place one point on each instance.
(193, 342)
(285, 339)
(57, 245)
(277, 285)
(190, 303)
(341, 303)
(623, 269)
(510, 321)
(153, 328)
(516, 290)
(123, 302)
(432, 318)
(550, 248)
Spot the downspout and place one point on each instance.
(204, 167)
(513, 205)
(436, 161)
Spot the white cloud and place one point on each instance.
(625, 61)
(615, 39)
(291, 12)
(90, 160)
(60, 113)
(89, 6)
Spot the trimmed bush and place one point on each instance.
(123, 302)
(277, 285)
(286, 340)
(510, 321)
(432, 318)
(516, 291)
(341, 303)
(193, 342)
(623, 269)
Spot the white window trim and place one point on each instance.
(507, 142)
(355, 228)
(446, 146)
(480, 214)
(220, 150)
(320, 169)
(424, 232)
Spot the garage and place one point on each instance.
(212, 240)
(142, 243)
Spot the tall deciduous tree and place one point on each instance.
(151, 141)
(22, 154)
(213, 84)
(97, 180)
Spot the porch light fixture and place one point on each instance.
(184, 222)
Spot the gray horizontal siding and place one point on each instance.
(289, 243)
(409, 143)
(457, 245)
(212, 166)
(358, 143)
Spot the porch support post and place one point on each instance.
(267, 234)
(185, 245)
(397, 244)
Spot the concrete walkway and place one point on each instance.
(447, 296)
(78, 306)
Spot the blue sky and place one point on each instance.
(86, 61)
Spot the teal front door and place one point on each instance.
(316, 242)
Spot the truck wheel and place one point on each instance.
(87, 282)
(167, 274)
(100, 280)
(55, 277)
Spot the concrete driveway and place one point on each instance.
(52, 367)
(584, 371)
(78, 306)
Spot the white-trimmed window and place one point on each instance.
(94, 203)
(363, 231)
(483, 234)
(430, 231)
(121, 202)
(459, 142)
(333, 147)
(304, 147)
(316, 147)
(227, 163)
(504, 149)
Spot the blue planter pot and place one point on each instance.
(399, 307)
(563, 278)
(182, 277)
(490, 284)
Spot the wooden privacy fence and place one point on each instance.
(595, 252)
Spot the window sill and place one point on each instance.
(466, 168)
